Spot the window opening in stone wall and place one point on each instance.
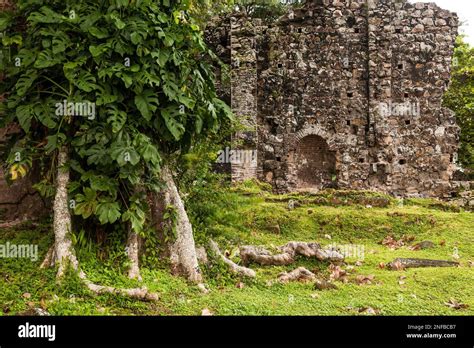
(314, 163)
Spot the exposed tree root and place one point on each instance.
(62, 252)
(235, 268)
(138, 293)
(254, 254)
(201, 255)
(299, 274)
(182, 250)
(49, 258)
(312, 250)
(401, 263)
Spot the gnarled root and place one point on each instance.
(299, 274)
(289, 251)
(312, 250)
(138, 293)
(301, 248)
(235, 268)
(49, 258)
(254, 254)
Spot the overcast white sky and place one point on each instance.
(465, 11)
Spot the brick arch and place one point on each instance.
(314, 130)
(313, 158)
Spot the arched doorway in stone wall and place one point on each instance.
(315, 164)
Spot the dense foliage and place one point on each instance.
(123, 85)
(265, 9)
(460, 99)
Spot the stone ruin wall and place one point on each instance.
(309, 87)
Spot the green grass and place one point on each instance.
(248, 215)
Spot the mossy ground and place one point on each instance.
(249, 215)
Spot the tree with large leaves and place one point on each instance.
(108, 93)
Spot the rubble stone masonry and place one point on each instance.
(344, 93)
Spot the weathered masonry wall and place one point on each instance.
(346, 94)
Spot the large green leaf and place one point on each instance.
(125, 155)
(117, 20)
(44, 113)
(54, 142)
(161, 56)
(85, 81)
(171, 117)
(147, 103)
(96, 154)
(147, 150)
(136, 216)
(46, 15)
(25, 82)
(100, 33)
(97, 51)
(27, 57)
(59, 44)
(24, 114)
(108, 212)
(116, 118)
(45, 60)
(102, 183)
(5, 20)
(86, 203)
(106, 95)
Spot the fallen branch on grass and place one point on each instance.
(235, 268)
(254, 254)
(401, 263)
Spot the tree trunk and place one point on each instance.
(133, 252)
(181, 249)
(64, 253)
